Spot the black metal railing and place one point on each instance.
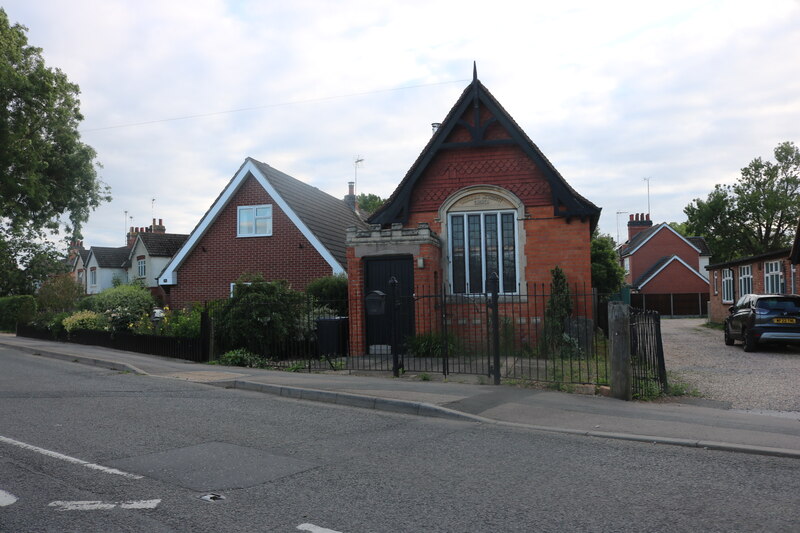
(648, 369)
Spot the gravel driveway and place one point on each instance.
(766, 381)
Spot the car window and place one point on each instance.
(780, 304)
(743, 301)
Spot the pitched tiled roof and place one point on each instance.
(566, 201)
(637, 239)
(110, 257)
(701, 244)
(658, 265)
(163, 244)
(327, 217)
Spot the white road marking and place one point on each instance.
(6, 498)
(103, 506)
(69, 459)
(315, 529)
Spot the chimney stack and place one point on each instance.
(638, 223)
(350, 197)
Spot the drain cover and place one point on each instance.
(212, 497)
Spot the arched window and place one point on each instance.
(483, 237)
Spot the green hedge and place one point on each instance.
(15, 309)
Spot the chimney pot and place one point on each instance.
(630, 217)
(351, 187)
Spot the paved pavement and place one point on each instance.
(685, 422)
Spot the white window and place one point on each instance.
(727, 285)
(773, 278)
(254, 221)
(233, 286)
(93, 277)
(141, 268)
(80, 276)
(745, 280)
(627, 264)
(482, 243)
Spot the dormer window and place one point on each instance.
(254, 221)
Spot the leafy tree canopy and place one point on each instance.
(369, 203)
(48, 179)
(26, 262)
(757, 214)
(607, 274)
(46, 172)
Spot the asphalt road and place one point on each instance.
(85, 449)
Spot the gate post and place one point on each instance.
(205, 335)
(445, 337)
(494, 288)
(619, 336)
(393, 317)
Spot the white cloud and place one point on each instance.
(686, 93)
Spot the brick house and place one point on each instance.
(665, 268)
(480, 198)
(769, 273)
(150, 251)
(263, 222)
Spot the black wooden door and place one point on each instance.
(400, 320)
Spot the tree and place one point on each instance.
(26, 262)
(757, 214)
(369, 203)
(607, 274)
(48, 179)
(58, 293)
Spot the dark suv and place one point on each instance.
(764, 318)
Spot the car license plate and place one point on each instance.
(784, 320)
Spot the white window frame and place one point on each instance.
(233, 286)
(141, 267)
(93, 277)
(727, 285)
(627, 265)
(773, 278)
(253, 210)
(745, 280)
(484, 274)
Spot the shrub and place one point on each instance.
(556, 313)
(430, 344)
(241, 357)
(53, 322)
(58, 293)
(261, 316)
(124, 305)
(15, 309)
(180, 323)
(330, 291)
(85, 320)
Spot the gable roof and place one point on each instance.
(660, 265)
(320, 217)
(641, 238)
(107, 257)
(566, 201)
(162, 244)
(157, 245)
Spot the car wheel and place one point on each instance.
(750, 343)
(728, 339)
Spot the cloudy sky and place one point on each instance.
(176, 94)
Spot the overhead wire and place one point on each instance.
(267, 106)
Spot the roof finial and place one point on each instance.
(474, 71)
